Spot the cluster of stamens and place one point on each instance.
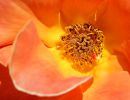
(82, 46)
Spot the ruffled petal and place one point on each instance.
(12, 18)
(46, 11)
(114, 86)
(34, 70)
(80, 11)
(5, 54)
(115, 23)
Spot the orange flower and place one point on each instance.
(29, 31)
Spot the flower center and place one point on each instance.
(82, 46)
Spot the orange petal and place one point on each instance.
(123, 54)
(73, 95)
(115, 23)
(49, 35)
(124, 4)
(75, 11)
(107, 66)
(10, 21)
(112, 87)
(34, 70)
(7, 89)
(46, 11)
(12, 94)
(5, 54)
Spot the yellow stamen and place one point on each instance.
(82, 46)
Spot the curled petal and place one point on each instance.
(110, 87)
(5, 54)
(12, 18)
(34, 70)
(46, 11)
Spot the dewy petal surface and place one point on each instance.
(115, 86)
(12, 18)
(47, 11)
(33, 69)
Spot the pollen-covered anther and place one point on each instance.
(82, 46)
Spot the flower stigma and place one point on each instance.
(81, 45)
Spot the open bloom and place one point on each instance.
(30, 31)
